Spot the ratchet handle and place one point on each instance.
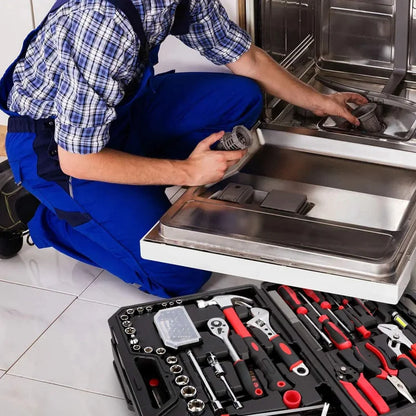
(285, 353)
(275, 380)
(249, 381)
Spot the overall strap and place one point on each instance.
(182, 18)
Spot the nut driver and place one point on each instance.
(261, 321)
(220, 328)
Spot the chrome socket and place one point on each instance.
(182, 380)
(148, 350)
(124, 317)
(176, 369)
(196, 407)
(171, 360)
(130, 311)
(188, 392)
(136, 347)
(160, 351)
(130, 330)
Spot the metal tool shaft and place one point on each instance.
(215, 403)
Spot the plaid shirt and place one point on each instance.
(80, 62)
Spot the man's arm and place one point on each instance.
(202, 166)
(258, 65)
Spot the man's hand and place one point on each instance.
(337, 105)
(205, 166)
(274, 79)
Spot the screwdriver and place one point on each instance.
(290, 297)
(339, 339)
(341, 313)
(319, 299)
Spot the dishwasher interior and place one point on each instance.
(317, 193)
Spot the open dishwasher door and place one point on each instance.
(319, 203)
(326, 219)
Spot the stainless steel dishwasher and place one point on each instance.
(317, 202)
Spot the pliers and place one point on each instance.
(386, 373)
(397, 336)
(348, 376)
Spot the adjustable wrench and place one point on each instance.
(220, 329)
(261, 321)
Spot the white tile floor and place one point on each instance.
(55, 351)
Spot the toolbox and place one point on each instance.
(267, 351)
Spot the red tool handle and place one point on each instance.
(373, 395)
(274, 379)
(358, 398)
(406, 361)
(285, 353)
(339, 339)
(290, 297)
(358, 325)
(249, 381)
(412, 350)
(318, 297)
(383, 360)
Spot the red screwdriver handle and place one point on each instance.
(339, 339)
(412, 350)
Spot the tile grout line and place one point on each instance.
(66, 386)
(40, 335)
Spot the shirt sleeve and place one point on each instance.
(97, 53)
(213, 34)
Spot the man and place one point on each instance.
(96, 137)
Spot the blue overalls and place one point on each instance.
(165, 116)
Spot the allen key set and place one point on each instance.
(277, 350)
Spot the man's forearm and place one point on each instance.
(113, 166)
(274, 79)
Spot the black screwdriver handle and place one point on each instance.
(275, 380)
(249, 381)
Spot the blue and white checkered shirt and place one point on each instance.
(78, 66)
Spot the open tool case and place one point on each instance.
(251, 351)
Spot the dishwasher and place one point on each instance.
(316, 202)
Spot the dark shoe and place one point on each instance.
(11, 226)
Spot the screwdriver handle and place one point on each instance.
(290, 297)
(360, 328)
(249, 381)
(339, 339)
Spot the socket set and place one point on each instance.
(277, 350)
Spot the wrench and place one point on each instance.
(261, 321)
(220, 329)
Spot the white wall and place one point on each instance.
(17, 18)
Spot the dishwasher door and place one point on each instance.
(336, 216)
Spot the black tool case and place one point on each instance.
(162, 380)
